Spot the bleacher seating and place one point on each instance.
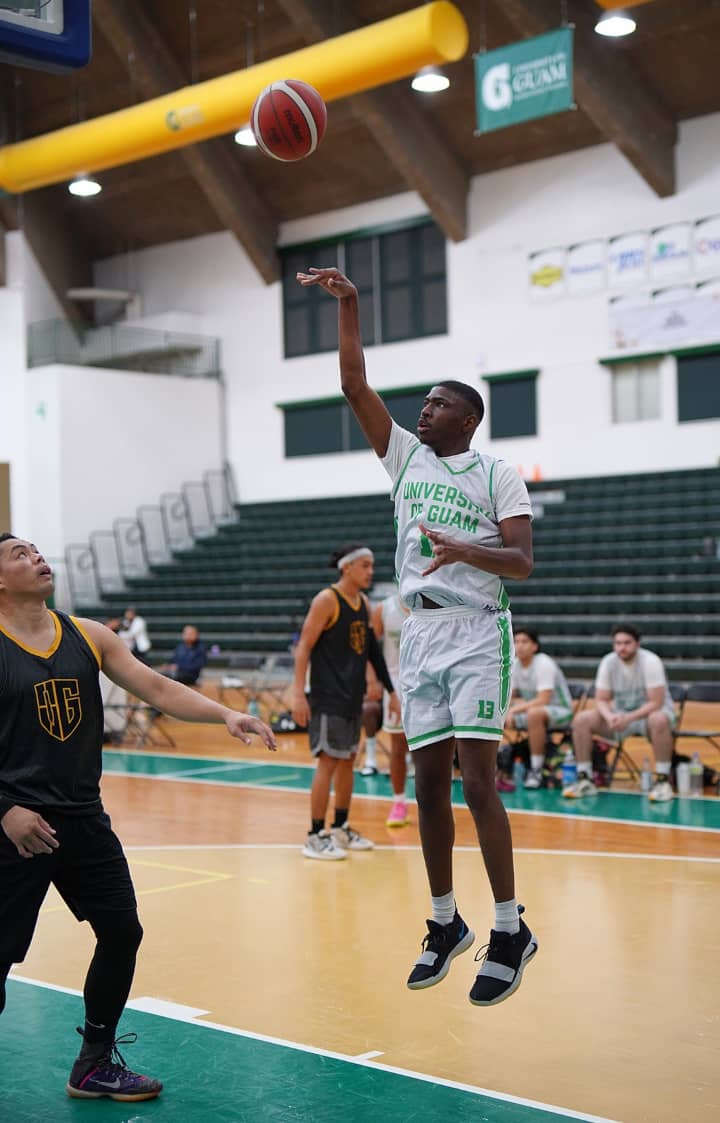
(636, 547)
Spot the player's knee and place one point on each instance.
(120, 931)
(583, 721)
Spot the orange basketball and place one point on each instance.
(288, 119)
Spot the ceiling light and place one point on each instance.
(246, 137)
(84, 186)
(430, 80)
(615, 25)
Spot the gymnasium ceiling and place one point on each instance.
(632, 92)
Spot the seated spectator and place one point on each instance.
(540, 699)
(133, 631)
(632, 699)
(188, 659)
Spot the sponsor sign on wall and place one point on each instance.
(524, 80)
(670, 250)
(706, 245)
(547, 273)
(586, 267)
(627, 260)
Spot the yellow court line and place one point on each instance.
(181, 869)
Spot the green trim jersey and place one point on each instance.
(468, 496)
(543, 673)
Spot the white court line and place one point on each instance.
(567, 1113)
(639, 855)
(231, 767)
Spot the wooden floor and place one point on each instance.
(617, 1017)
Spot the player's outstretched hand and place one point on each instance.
(445, 549)
(241, 725)
(28, 832)
(332, 280)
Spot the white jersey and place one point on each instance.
(393, 618)
(542, 673)
(467, 495)
(630, 682)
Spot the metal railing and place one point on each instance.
(123, 346)
(111, 558)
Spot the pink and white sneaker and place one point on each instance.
(398, 816)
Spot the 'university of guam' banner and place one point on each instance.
(524, 80)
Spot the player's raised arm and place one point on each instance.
(368, 407)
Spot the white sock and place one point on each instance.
(370, 757)
(399, 795)
(506, 917)
(536, 761)
(662, 767)
(584, 770)
(443, 908)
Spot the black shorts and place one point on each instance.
(336, 736)
(88, 869)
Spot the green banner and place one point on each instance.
(524, 80)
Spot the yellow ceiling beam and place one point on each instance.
(360, 60)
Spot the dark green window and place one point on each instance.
(513, 407)
(698, 380)
(401, 279)
(313, 428)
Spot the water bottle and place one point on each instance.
(569, 769)
(696, 776)
(646, 779)
(253, 708)
(518, 772)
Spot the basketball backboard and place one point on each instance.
(46, 34)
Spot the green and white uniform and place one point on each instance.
(456, 660)
(542, 673)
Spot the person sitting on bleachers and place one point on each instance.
(632, 699)
(188, 659)
(541, 699)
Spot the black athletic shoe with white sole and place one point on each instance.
(503, 961)
(442, 943)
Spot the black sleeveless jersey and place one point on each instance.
(339, 659)
(51, 722)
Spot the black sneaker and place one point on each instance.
(442, 943)
(108, 1075)
(503, 962)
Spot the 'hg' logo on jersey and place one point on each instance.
(58, 706)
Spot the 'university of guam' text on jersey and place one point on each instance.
(467, 496)
(51, 722)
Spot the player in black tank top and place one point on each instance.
(54, 828)
(336, 642)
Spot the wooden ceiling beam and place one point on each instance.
(135, 39)
(407, 138)
(609, 91)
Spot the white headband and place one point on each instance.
(361, 552)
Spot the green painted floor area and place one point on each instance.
(212, 1076)
(627, 807)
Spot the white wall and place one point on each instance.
(493, 326)
(13, 447)
(104, 442)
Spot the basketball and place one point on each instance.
(288, 119)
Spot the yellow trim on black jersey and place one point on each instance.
(336, 613)
(31, 650)
(87, 639)
(354, 607)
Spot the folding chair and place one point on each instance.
(233, 679)
(578, 694)
(708, 693)
(141, 723)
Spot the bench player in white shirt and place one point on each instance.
(541, 699)
(463, 523)
(631, 699)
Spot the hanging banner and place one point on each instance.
(627, 260)
(546, 273)
(670, 251)
(586, 267)
(666, 325)
(706, 245)
(524, 80)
